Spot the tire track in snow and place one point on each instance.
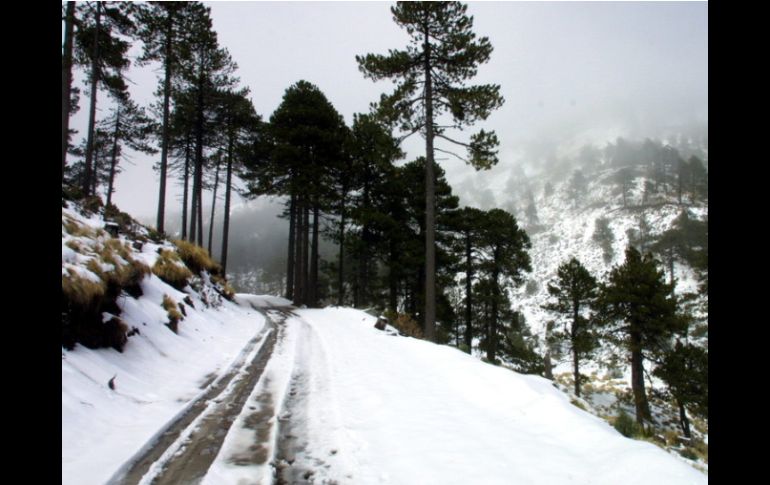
(294, 461)
(203, 424)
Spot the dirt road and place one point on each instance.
(183, 451)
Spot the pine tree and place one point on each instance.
(210, 71)
(127, 125)
(306, 135)
(519, 346)
(469, 228)
(574, 290)
(100, 46)
(639, 311)
(577, 186)
(66, 82)
(604, 236)
(371, 153)
(242, 127)
(697, 178)
(443, 53)
(505, 246)
(684, 369)
(164, 30)
(181, 147)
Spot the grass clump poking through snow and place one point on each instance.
(174, 317)
(80, 289)
(627, 426)
(405, 324)
(196, 258)
(170, 269)
(125, 272)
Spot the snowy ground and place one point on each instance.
(378, 408)
(341, 402)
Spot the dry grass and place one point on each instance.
(196, 258)
(80, 290)
(174, 317)
(126, 271)
(407, 325)
(76, 229)
(170, 269)
(74, 245)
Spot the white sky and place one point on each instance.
(570, 72)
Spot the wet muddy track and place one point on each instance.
(295, 463)
(191, 461)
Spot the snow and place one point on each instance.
(260, 301)
(378, 408)
(158, 374)
(372, 407)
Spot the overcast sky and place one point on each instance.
(570, 72)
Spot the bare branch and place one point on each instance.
(453, 141)
(451, 153)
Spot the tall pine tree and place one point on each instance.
(164, 31)
(101, 45)
(442, 54)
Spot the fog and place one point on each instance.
(571, 73)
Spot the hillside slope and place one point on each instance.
(566, 227)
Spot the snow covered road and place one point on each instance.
(322, 397)
(354, 405)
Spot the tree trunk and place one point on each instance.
(165, 128)
(185, 195)
(573, 335)
(637, 380)
(683, 420)
(66, 83)
(314, 260)
(213, 207)
(114, 157)
(341, 272)
(290, 259)
(672, 282)
(357, 284)
(548, 366)
(363, 268)
(200, 212)
(306, 254)
(468, 292)
(492, 348)
(87, 173)
(430, 219)
(298, 249)
(195, 230)
(228, 190)
(392, 278)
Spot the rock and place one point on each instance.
(380, 324)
